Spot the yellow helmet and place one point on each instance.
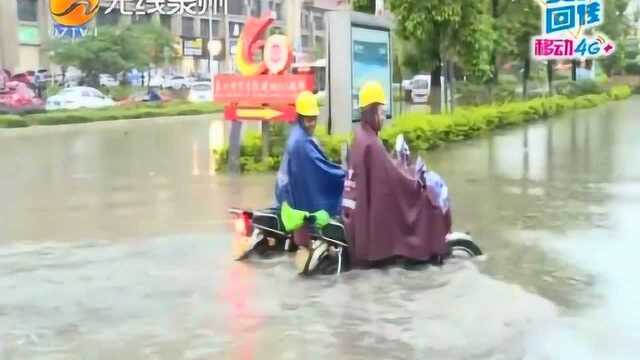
(371, 92)
(307, 104)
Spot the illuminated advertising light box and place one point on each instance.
(364, 54)
(370, 60)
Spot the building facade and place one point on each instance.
(26, 28)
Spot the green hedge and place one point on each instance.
(632, 67)
(12, 121)
(426, 131)
(251, 150)
(573, 89)
(137, 111)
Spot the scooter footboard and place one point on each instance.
(335, 234)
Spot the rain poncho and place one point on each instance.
(386, 211)
(307, 180)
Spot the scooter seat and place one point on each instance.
(269, 220)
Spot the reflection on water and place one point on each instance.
(114, 242)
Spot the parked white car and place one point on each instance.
(176, 82)
(78, 97)
(201, 91)
(108, 80)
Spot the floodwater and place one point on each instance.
(115, 243)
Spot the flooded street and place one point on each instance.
(115, 243)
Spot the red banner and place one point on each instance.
(261, 89)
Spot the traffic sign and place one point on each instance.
(282, 113)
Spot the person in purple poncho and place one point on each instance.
(386, 211)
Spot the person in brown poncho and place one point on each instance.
(387, 213)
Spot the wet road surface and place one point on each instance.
(114, 243)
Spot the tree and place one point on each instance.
(519, 22)
(94, 55)
(446, 31)
(367, 6)
(115, 50)
(616, 26)
(157, 43)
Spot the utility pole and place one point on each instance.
(236, 124)
(211, 5)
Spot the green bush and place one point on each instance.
(12, 121)
(135, 111)
(632, 67)
(52, 89)
(425, 131)
(573, 89)
(251, 149)
(619, 92)
(119, 93)
(471, 94)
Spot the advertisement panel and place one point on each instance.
(371, 60)
(193, 47)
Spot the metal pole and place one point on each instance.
(211, 4)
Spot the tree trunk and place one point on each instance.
(550, 76)
(451, 73)
(435, 95)
(574, 70)
(494, 51)
(266, 140)
(445, 86)
(525, 77)
(234, 147)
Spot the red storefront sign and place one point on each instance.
(261, 89)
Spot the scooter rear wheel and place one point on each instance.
(463, 248)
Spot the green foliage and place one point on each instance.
(620, 92)
(52, 89)
(109, 52)
(12, 121)
(251, 149)
(632, 67)
(118, 93)
(616, 26)
(137, 111)
(572, 89)
(115, 50)
(517, 21)
(458, 30)
(474, 94)
(157, 43)
(367, 6)
(424, 131)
